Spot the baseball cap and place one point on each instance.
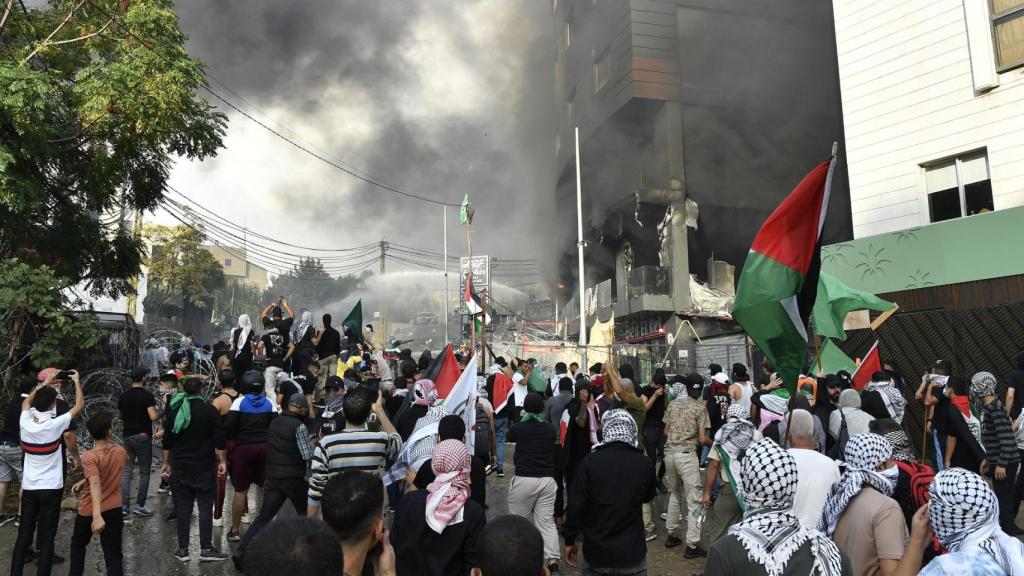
(46, 373)
(297, 401)
(334, 382)
(139, 372)
(721, 378)
(694, 382)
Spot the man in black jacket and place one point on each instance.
(193, 447)
(288, 451)
(532, 492)
(610, 488)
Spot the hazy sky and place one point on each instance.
(436, 97)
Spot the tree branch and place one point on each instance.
(7, 11)
(80, 38)
(52, 34)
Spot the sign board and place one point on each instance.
(481, 277)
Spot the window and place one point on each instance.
(602, 71)
(1008, 31)
(568, 33)
(959, 187)
(227, 262)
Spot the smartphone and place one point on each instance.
(65, 374)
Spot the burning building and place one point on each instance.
(696, 117)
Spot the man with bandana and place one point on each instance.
(770, 540)
(725, 461)
(1001, 457)
(965, 517)
(860, 515)
(606, 500)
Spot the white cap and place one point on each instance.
(721, 378)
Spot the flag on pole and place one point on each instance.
(443, 372)
(833, 359)
(868, 366)
(354, 320)
(464, 210)
(476, 309)
(461, 399)
(835, 300)
(779, 282)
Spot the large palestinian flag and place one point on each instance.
(779, 282)
(443, 372)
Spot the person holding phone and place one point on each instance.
(42, 485)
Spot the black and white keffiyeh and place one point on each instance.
(965, 514)
(893, 398)
(864, 452)
(901, 449)
(737, 433)
(769, 531)
(618, 426)
(983, 384)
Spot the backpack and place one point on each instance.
(921, 476)
(838, 451)
(482, 433)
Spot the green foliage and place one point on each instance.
(36, 325)
(91, 120)
(181, 265)
(308, 286)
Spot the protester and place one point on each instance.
(742, 389)
(98, 510)
(606, 501)
(276, 346)
(859, 514)
(580, 430)
(725, 464)
(816, 473)
(328, 347)
(561, 371)
(167, 387)
(964, 514)
(243, 345)
(932, 390)
(655, 399)
(423, 396)
(1014, 383)
(137, 408)
(770, 540)
(850, 411)
(288, 452)
(533, 491)
(353, 506)
(770, 404)
(247, 422)
(332, 419)
(767, 374)
(294, 546)
(826, 403)
(686, 421)
(553, 410)
(194, 439)
(11, 455)
(883, 398)
(435, 530)
(355, 447)
(798, 402)
(961, 427)
(1001, 457)
(222, 402)
(484, 443)
(42, 483)
(510, 545)
(716, 400)
(453, 427)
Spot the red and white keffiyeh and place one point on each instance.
(450, 489)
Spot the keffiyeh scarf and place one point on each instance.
(965, 514)
(305, 323)
(618, 426)
(450, 489)
(901, 449)
(983, 384)
(419, 447)
(894, 400)
(424, 393)
(733, 438)
(244, 329)
(769, 531)
(864, 452)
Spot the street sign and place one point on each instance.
(481, 277)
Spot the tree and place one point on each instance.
(99, 99)
(180, 264)
(308, 286)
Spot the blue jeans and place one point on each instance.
(501, 429)
(140, 452)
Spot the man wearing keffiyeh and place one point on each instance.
(1001, 457)
(726, 458)
(859, 514)
(770, 539)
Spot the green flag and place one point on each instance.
(354, 321)
(464, 211)
(833, 359)
(835, 300)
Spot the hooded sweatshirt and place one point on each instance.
(249, 418)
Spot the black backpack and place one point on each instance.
(838, 451)
(481, 433)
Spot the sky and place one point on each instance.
(436, 97)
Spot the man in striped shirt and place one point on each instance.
(355, 447)
(1001, 456)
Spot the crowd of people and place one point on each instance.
(386, 478)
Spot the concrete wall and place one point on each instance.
(918, 85)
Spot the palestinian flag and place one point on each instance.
(563, 427)
(476, 309)
(354, 321)
(779, 282)
(502, 390)
(443, 372)
(868, 366)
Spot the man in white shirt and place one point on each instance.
(815, 472)
(42, 483)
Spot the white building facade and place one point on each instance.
(933, 109)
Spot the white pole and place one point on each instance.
(446, 314)
(579, 252)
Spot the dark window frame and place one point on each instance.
(961, 187)
(998, 18)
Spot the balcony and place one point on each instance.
(648, 288)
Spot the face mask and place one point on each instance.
(891, 474)
(945, 392)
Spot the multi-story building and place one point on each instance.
(237, 267)
(696, 117)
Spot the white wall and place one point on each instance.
(909, 97)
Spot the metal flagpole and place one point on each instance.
(446, 314)
(579, 253)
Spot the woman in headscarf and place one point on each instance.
(965, 517)
(860, 514)
(423, 397)
(303, 336)
(725, 461)
(243, 346)
(770, 541)
(435, 530)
